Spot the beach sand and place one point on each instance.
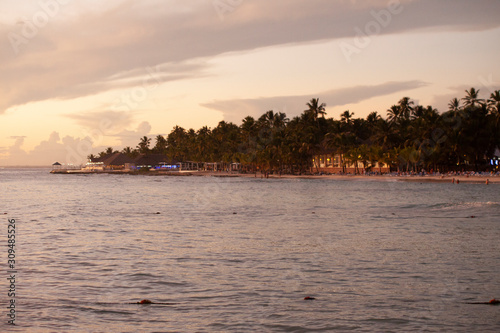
(437, 179)
(421, 179)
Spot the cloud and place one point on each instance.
(82, 52)
(236, 110)
(15, 149)
(131, 138)
(105, 122)
(65, 150)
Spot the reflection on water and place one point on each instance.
(238, 254)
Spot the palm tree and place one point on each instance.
(130, 152)
(384, 134)
(494, 101)
(364, 155)
(405, 156)
(472, 99)
(454, 105)
(204, 147)
(455, 114)
(373, 117)
(161, 145)
(346, 117)
(375, 154)
(393, 114)
(405, 107)
(354, 156)
(316, 109)
(176, 144)
(417, 112)
(494, 106)
(248, 128)
(143, 145)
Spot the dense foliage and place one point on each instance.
(411, 137)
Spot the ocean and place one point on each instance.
(241, 254)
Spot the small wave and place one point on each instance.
(117, 312)
(450, 206)
(466, 205)
(143, 275)
(296, 328)
(167, 283)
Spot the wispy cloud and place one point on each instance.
(235, 110)
(111, 122)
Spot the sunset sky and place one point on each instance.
(78, 76)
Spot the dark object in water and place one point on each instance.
(491, 302)
(309, 298)
(147, 301)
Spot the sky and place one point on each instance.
(77, 76)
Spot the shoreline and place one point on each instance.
(421, 179)
(427, 179)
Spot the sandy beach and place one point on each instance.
(428, 178)
(440, 179)
(477, 179)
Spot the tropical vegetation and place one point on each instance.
(411, 137)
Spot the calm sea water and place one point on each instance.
(240, 254)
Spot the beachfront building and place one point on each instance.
(59, 168)
(495, 161)
(190, 166)
(340, 164)
(115, 161)
(155, 162)
(211, 166)
(236, 167)
(56, 166)
(151, 162)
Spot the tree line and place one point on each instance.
(409, 138)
